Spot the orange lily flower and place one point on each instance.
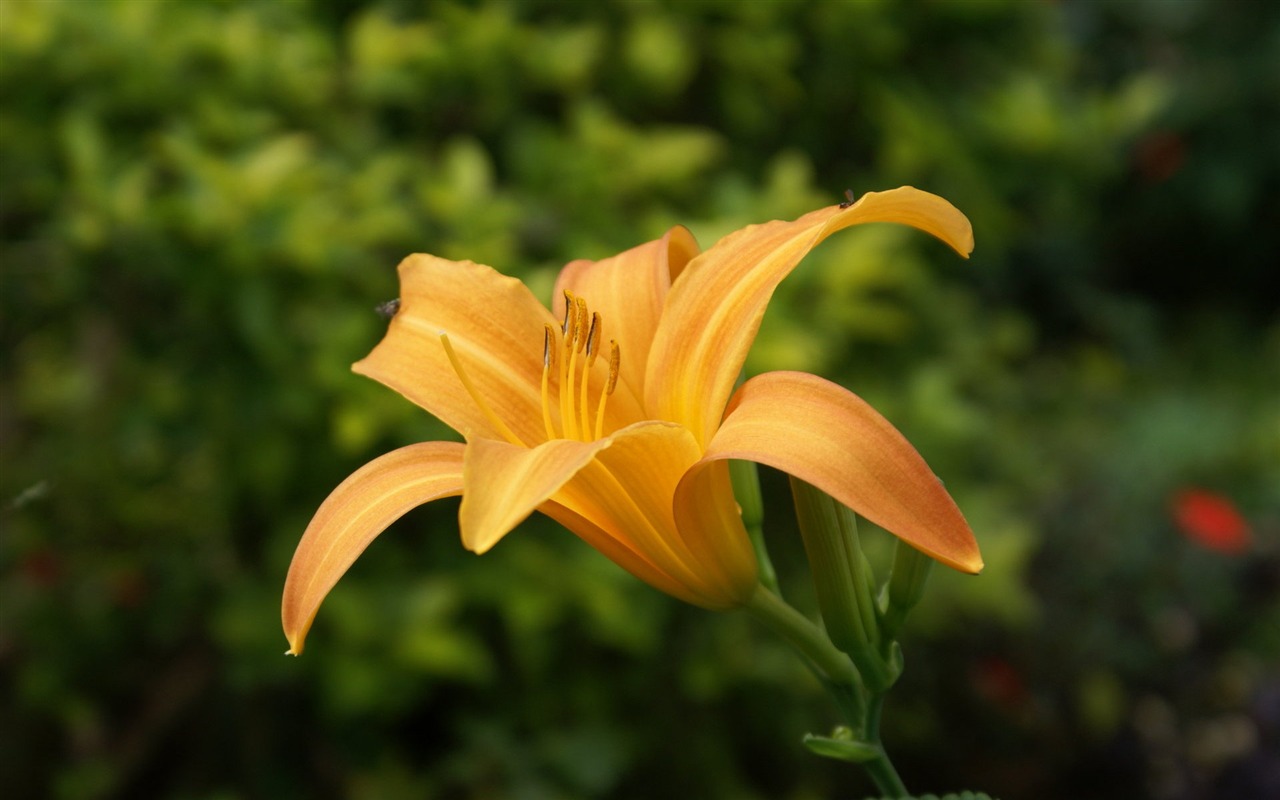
(612, 412)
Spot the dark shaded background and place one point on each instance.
(202, 202)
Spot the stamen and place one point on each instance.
(584, 410)
(568, 311)
(615, 361)
(548, 356)
(593, 338)
(568, 413)
(563, 374)
(593, 335)
(581, 335)
(493, 418)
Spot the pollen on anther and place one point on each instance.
(547, 337)
(580, 325)
(615, 362)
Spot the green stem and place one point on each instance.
(832, 668)
(880, 768)
(851, 701)
(746, 489)
(836, 672)
(796, 628)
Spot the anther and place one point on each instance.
(593, 338)
(548, 336)
(580, 325)
(615, 360)
(568, 312)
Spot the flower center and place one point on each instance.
(567, 358)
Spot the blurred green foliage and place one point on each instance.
(201, 202)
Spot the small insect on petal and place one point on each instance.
(388, 309)
(848, 198)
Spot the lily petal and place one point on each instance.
(629, 290)
(714, 310)
(495, 325)
(619, 552)
(710, 522)
(506, 483)
(353, 515)
(628, 492)
(827, 436)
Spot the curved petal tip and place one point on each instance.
(353, 515)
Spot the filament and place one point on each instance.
(548, 356)
(593, 334)
(615, 361)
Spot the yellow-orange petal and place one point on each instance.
(829, 437)
(618, 551)
(710, 521)
(505, 483)
(629, 291)
(714, 309)
(353, 515)
(495, 326)
(629, 492)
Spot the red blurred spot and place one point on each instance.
(1159, 155)
(128, 588)
(42, 567)
(1211, 521)
(999, 682)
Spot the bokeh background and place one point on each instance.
(202, 202)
